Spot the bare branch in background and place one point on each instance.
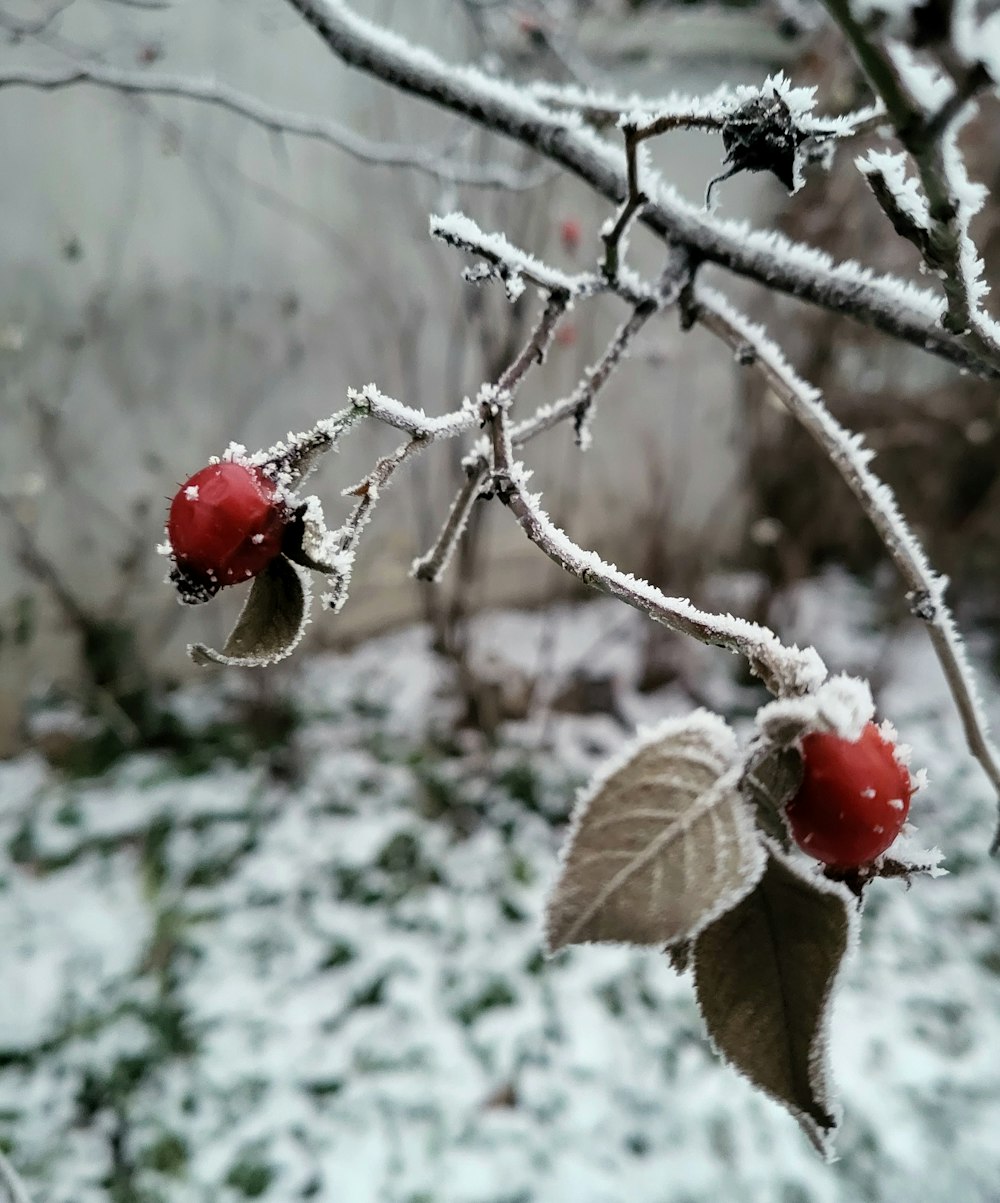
(434, 161)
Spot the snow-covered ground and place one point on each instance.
(318, 974)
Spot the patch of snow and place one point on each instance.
(328, 980)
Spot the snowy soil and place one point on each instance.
(318, 974)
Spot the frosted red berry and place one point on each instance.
(225, 526)
(853, 800)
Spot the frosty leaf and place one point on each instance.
(662, 843)
(271, 622)
(764, 974)
(770, 779)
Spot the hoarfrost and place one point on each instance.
(906, 190)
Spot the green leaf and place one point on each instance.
(764, 974)
(271, 622)
(662, 842)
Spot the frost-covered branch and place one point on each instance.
(432, 161)
(512, 266)
(432, 564)
(676, 111)
(785, 671)
(847, 453)
(344, 542)
(578, 405)
(414, 422)
(888, 304)
(927, 128)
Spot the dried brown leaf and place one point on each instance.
(764, 974)
(662, 842)
(270, 623)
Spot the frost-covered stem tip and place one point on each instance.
(925, 588)
(414, 422)
(500, 259)
(508, 109)
(785, 671)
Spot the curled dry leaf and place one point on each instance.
(271, 622)
(662, 842)
(764, 973)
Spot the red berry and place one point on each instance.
(570, 232)
(566, 335)
(853, 800)
(225, 524)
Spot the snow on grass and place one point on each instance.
(326, 981)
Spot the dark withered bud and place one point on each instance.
(761, 136)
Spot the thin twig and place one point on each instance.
(578, 405)
(11, 1181)
(538, 342)
(432, 161)
(925, 588)
(431, 565)
(922, 135)
(632, 205)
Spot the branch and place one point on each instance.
(414, 422)
(925, 588)
(635, 201)
(603, 109)
(907, 313)
(432, 564)
(503, 261)
(785, 671)
(278, 121)
(922, 134)
(579, 405)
